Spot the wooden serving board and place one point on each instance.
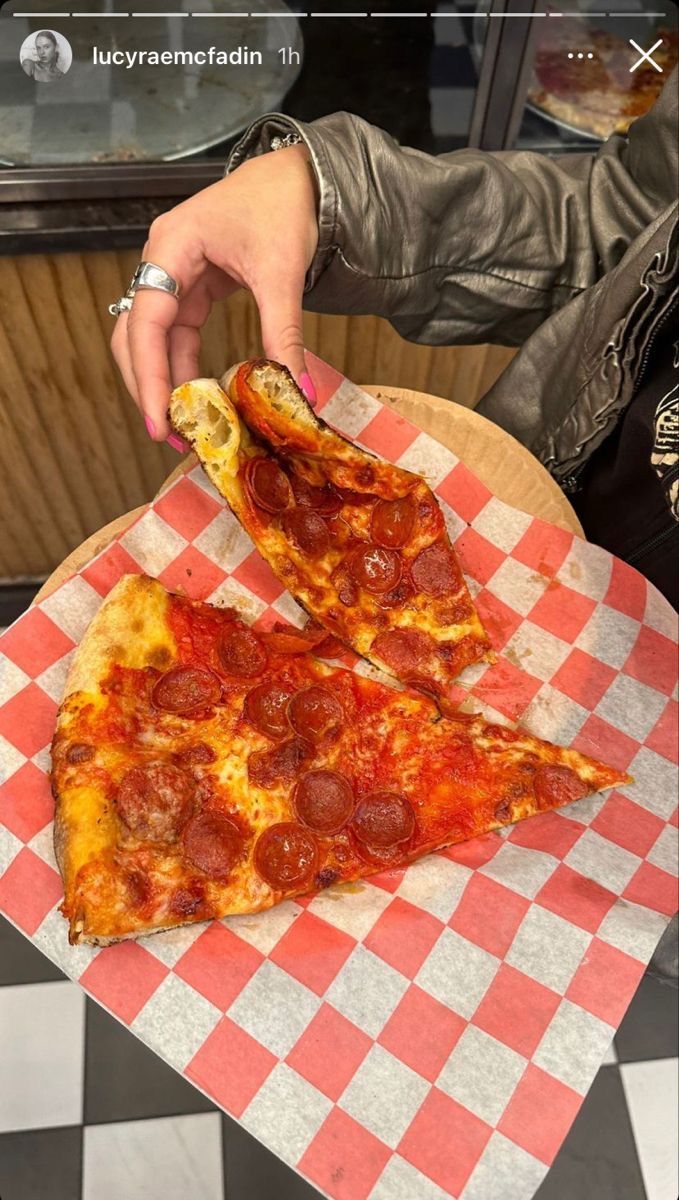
(503, 464)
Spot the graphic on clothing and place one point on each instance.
(665, 455)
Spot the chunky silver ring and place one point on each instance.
(150, 276)
(120, 306)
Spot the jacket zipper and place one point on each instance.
(651, 544)
(669, 312)
(570, 483)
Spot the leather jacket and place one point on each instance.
(574, 258)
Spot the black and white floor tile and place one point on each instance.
(89, 1113)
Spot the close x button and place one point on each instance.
(645, 55)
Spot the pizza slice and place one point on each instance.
(360, 543)
(202, 768)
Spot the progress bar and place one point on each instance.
(335, 15)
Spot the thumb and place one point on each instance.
(280, 313)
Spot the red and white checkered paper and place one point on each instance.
(432, 1032)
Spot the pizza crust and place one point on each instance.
(130, 630)
(265, 415)
(388, 741)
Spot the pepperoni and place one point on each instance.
(393, 522)
(435, 571)
(383, 819)
(269, 768)
(324, 801)
(375, 568)
(212, 843)
(315, 712)
(286, 856)
(312, 630)
(187, 900)
(347, 589)
(196, 755)
(79, 752)
(266, 707)
(288, 643)
(155, 801)
(425, 684)
(405, 651)
(241, 652)
(356, 499)
(288, 640)
(329, 647)
(324, 644)
(307, 530)
(324, 500)
(184, 689)
(558, 785)
(398, 596)
(268, 485)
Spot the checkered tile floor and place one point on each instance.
(87, 1111)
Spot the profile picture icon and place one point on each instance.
(46, 56)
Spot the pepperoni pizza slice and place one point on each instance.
(202, 768)
(359, 542)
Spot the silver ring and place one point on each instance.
(151, 277)
(120, 306)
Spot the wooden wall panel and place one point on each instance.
(74, 453)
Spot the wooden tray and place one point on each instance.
(505, 466)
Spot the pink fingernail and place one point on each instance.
(307, 385)
(150, 426)
(177, 444)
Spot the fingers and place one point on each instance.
(120, 344)
(184, 353)
(280, 312)
(308, 387)
(121, 352)
(148, 325)
(141, 340)
(184, 343)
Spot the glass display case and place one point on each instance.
(578, 75)
(110, 115)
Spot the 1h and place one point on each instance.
(290, 57)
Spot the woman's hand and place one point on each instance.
(258, 229)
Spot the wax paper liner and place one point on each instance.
(431, 1032)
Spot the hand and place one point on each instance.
(258, 229)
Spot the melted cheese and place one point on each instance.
(210, 420)
(454, 773)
